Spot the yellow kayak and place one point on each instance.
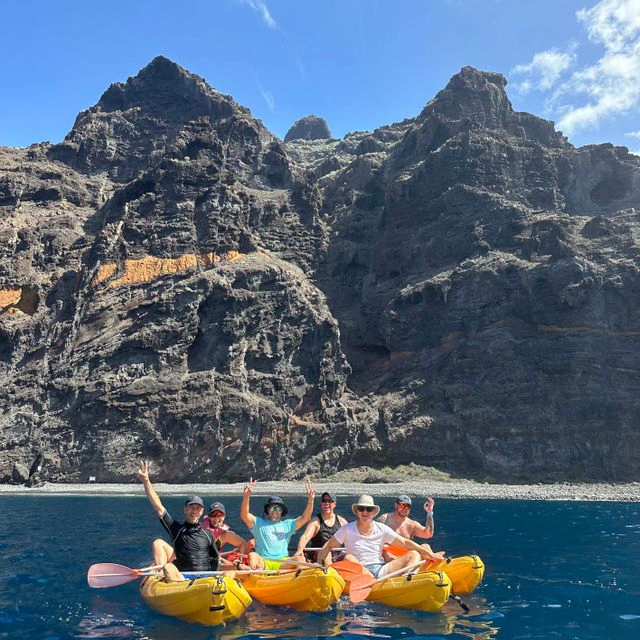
(464, 572)
(210, 600)
(426, 591)
(304, 589)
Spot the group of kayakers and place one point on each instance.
(196, 546)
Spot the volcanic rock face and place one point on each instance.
(459, 290)
(308, 128)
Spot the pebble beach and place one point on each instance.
(627, 492)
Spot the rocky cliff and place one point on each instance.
(457, 290)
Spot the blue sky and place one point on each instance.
(359, 64)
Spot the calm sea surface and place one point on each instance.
(554, 570)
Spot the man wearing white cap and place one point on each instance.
(404, 526)
(365, 538)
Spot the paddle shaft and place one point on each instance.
(399, 572)
(358, 593)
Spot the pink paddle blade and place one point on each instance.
(107, 574)
(360, 588)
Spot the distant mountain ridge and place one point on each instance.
(457, 290)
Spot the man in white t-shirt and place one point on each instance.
(364, 539)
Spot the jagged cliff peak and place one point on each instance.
(476, 99)
(137, 120)
(309, 128)
(473, 94)
(164, 88)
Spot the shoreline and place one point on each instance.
(463, 489)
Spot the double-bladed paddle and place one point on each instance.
(107, 574)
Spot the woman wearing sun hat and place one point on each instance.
(365, 538)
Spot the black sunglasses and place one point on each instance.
(368, 509)
(329, 500)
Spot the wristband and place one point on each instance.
(429, 513)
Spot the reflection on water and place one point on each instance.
(110, 620)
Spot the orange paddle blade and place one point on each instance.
(360, 588)
(395, 550)
(350, 570)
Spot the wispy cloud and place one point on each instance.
(605, 89)
(545, 70)
(262, 9)
(268, 98)
(633, 134)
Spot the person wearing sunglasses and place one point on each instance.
(365, 538)
(404, 526)
(222, 534)
(320, 529)
(194, 548)
(272, 531)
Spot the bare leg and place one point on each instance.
(162, 552)
(412, 557)
(171, 573)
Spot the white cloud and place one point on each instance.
(633, 134)
(611, 85)
(603, 90)
(614, 23)
(546, 67)
(268, 98)
(261, 8)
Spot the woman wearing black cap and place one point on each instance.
(272, 532)
(222, 534)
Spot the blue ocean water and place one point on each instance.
(560, 570)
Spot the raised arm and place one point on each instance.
(248, 518)
(308, 511)
(312, 528)
(414, 546)
(429, 525)
(143, 474)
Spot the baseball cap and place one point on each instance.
(194, 500)
(217, 506)
(403, 499)
(330, 494)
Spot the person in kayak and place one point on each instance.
(320, 528)
(403, 525)
(365, 538)
(272, 533)
(194, 548)
(222, 534)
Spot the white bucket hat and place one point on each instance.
(365, 501)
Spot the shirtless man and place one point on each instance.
(400, 522)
